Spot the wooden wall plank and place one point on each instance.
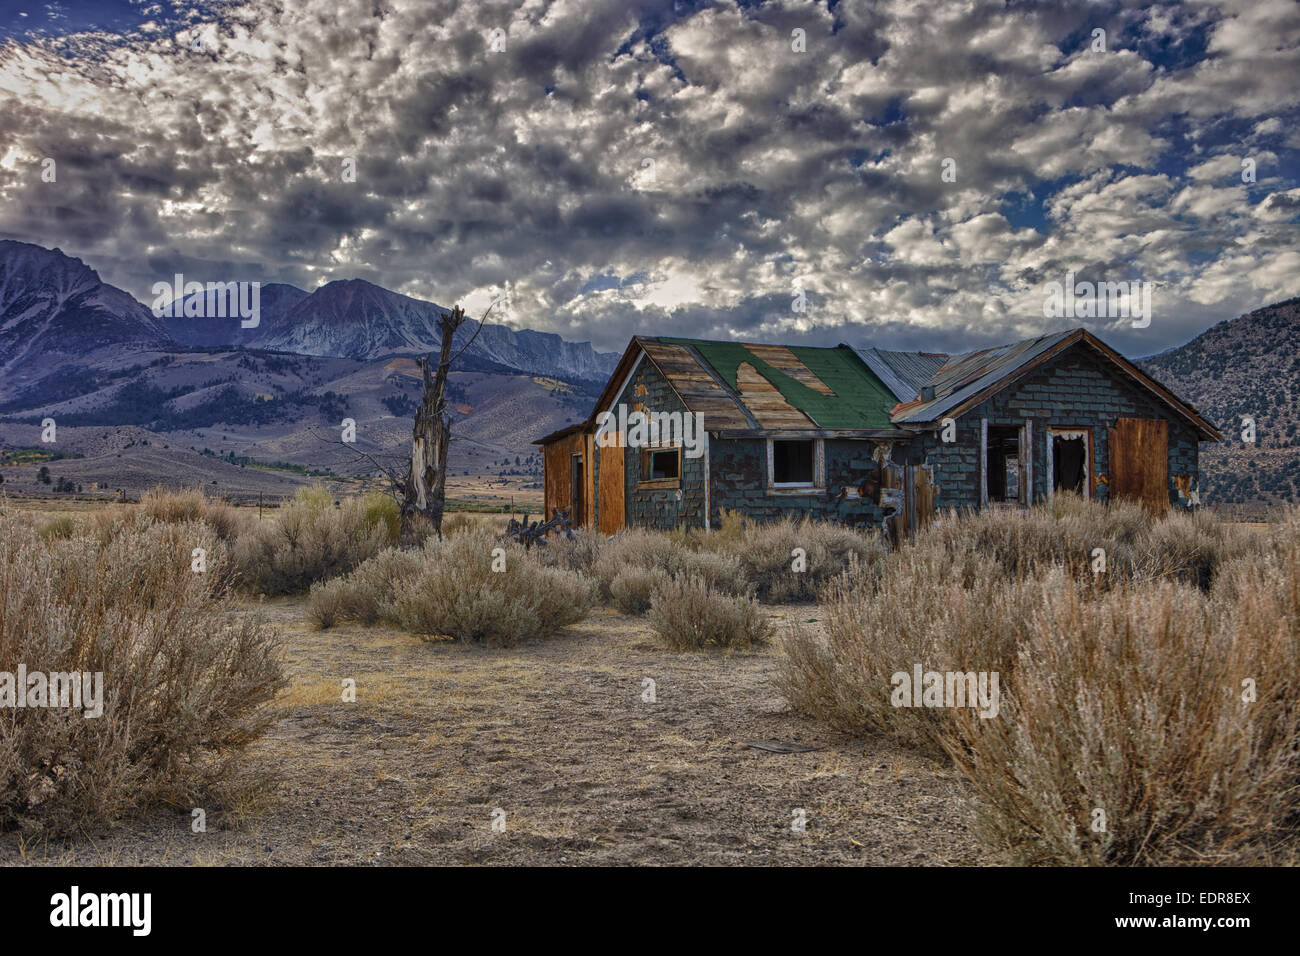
(589, 478)
(557, 458)
(613, 506)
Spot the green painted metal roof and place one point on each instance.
(860, 399)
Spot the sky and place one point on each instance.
(905, 174)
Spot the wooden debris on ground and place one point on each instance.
(534, 533)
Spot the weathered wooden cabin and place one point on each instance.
(686, 429)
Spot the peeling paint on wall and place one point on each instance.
(1189, 493)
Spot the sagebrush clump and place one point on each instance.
(190, 504)
(1123, 690)
(184, 673)
(469, 586)
(312, 540)
(686, 613)
(778, 562)
(920, 609)
(1135, 704)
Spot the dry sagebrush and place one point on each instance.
(190, 504)
(449, 589)
(741, 558)
(946, 613)
(184, 674)
(1120, 693)
(766, 552)
(637, 552)
(686, 613)
(1126, 740)
(312, 540)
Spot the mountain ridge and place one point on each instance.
(51, 302)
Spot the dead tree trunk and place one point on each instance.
(426, 482)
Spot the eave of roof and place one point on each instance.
(562, 433)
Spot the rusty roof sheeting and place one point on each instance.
(965, 376)
(904, 373)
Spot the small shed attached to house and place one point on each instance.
(686, 429)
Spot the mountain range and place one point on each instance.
(55, 304)
(216, 395)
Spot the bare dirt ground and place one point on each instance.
(555, 734)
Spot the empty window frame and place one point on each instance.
(794, 463)
(661, 467)
(664, 463)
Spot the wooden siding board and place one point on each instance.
(613, 505)
(557, 462)
(589, 479)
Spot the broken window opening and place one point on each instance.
(664, 464)
(792, 462)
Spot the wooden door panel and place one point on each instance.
(1139, 461)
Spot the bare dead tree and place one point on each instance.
(393, 470)
(425, 486)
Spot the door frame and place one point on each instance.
(1056, 431)
(1025, 456)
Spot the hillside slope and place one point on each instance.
(1248, 366)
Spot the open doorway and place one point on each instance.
(1002, 463)
(578, 495)
(1069, 461)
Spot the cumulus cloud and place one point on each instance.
(676, 167)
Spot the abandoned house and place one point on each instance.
(687, 429)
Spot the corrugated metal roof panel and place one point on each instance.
(967, 375)
(903, 372)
